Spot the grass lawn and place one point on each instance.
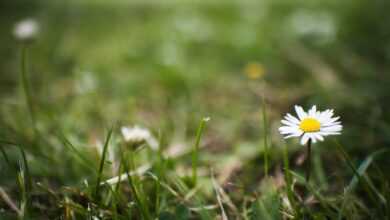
(172, 109)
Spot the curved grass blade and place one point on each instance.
(84, 161)
(359, 175)
(101, 166)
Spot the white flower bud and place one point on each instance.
(26, 30)
(137, 135)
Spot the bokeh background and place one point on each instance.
(166, 64)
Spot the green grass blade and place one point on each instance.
(328, 206)
(25, 184)
(195, 152)
(5, 156)
(319, 169)
(359, 175)
(141, 204)
(351, 166)
(160, 166)
(361, 170)
(288, 179)
(84, 161)
(27, 170)
(102, 161)
(265, 137)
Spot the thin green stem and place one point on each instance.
(102, 161)
(26, 85)
(160, 173)
(265, 134)
(135, 187)
(308, 162)
(199, 133)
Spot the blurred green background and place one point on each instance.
(166, 64)
(148, 62)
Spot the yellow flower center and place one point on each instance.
(310, 125)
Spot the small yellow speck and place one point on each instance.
(254, 70)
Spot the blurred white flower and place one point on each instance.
(26, 29)
(320, 25)
(192, 25)
(86, 82)
(311, 125)
(137, 135)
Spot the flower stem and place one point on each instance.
(308, 162)
(25, 85)
(265, 127)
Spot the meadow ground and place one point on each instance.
(206, 84)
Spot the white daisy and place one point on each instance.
(138, 135)
(313, 125)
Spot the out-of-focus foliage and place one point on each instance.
(166, 64)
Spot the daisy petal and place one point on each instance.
(319, 136)
(313, 111)
(304, 139)
(300, 112)
(292, 118)
(288, 129)
(327, 133)
(313, 138)
(288, 123)
(293, 135)
(332, 128)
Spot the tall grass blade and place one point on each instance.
(361, 170)
(23, 192)
(27, 170)
(288, 179)
(25, 184)
(359, 176)
(319, 169)
(195, 152)
(141, 204)
(102, 161)
(370, 189)
(265, 137)
(160, 166)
